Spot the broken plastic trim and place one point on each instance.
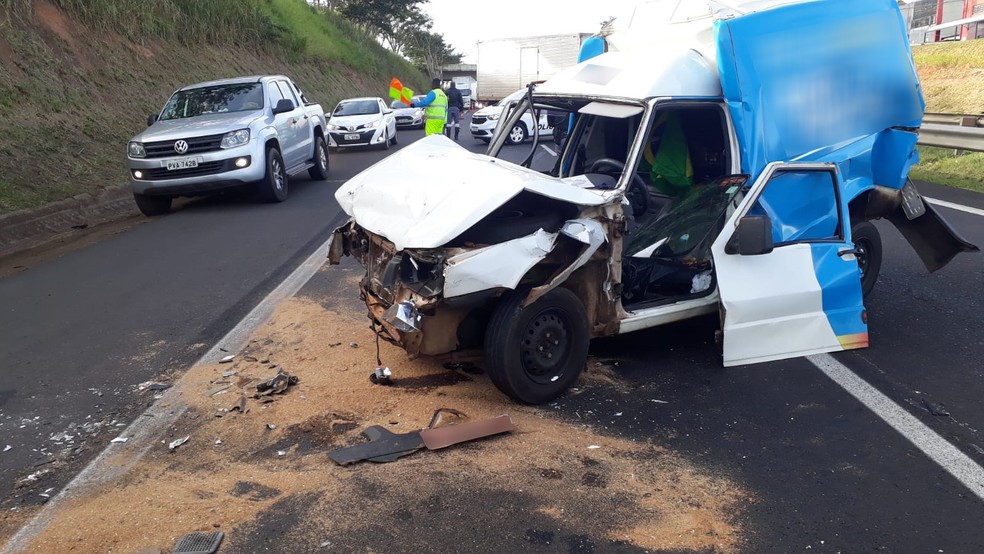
(403, 316)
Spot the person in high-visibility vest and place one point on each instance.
(435, 106)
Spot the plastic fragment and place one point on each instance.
(120, 439)
(593, 447)
(176, 443)
(227, 359)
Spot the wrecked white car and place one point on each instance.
(682, 188)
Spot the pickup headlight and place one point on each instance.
(136, 150)
(235, 138)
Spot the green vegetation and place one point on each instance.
(79, 77)
(939, 165)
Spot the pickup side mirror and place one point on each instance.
(283, 106)
(754, 236)
(151, 119)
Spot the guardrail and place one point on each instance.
(957, 131)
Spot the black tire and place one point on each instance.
(485, 140)
(320, 170)
(393, 138)
(518, 133)
(152, 205)
(386, 140)
(273, 187)
(534, 354)
(868, 241)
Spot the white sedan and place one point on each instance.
(362, 122)
(484, 121)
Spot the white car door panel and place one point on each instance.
(804, 296)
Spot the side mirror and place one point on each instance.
(754, 236)
(283, 106)
(387, 112)
(151, 119)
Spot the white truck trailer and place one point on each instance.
(507, 64)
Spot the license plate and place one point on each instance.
(912, 202)
(186, 163)
(352, 137)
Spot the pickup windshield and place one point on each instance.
(218, 99)
(357, 107)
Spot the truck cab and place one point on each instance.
(726, 177)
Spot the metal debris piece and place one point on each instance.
(281, 453)
(154, 386)
(8, 447)
(243, 381)
(249, 358)
(120, 439)
(227, 359)
(437, 420)
(593, 447)
(277, 384)
(218, 442)
(199, 543)
(935, 409)
(271, 426)
(265, 361)
(381, 376)
(334, 344)
(223, 349)
(240, 406)
(176, 443)
(354, 344)
(229, 373)
(385, 446)
(326, 544)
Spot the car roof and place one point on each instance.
(361, 98)
(235, 81)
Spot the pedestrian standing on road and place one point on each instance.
(435, 106)
(456, 105)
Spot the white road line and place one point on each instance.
(150, 426)
(947, 456)
(549, 150)
(952, 206)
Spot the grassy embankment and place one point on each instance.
(952, 76)
(79, 77)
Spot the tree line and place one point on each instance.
(399, 25)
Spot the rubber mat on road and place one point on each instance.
(199, 543)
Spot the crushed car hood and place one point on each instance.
(431, 191)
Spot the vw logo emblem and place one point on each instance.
(181, 147)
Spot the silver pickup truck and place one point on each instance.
(252, 131)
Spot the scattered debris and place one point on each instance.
(265, 361)
(276, 385)
(381, 376)
(935, 409)
(223, 349)
(659, 401)
(467, 367)
(249, 358)
(229, 373)
(227, 359)
(243, 381)
(354, 344)
(199, 543)
(175, 444)
(384, 446)
(271, 426)
(326, 544)
(47, 492)
(154, 386)
(281, 453)
(8, 447)
(120, 439)
(593, 447)
(218, 442)
(217, 390)
(241, 406)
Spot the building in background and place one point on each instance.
(962, 20)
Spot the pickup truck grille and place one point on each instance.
(206, 168)
(196, 145)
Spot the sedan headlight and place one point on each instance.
(493, 116)
(331, 126)
(373, 124)
(235, 138)
(136, 150)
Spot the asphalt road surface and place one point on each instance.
(82, 331)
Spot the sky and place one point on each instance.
(463, 23)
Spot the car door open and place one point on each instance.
(787, 274)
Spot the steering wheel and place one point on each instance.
(638, 192)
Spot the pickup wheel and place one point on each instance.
(273, 187)
(517, 134)
(152, 205)
(868, 241)
(534, 354)
(320, 170)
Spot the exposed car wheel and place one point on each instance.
(152, 205)
(868, 241)
(517, 134)
(393, 138)
(273, 187)
(534, 354)
(320, 170)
